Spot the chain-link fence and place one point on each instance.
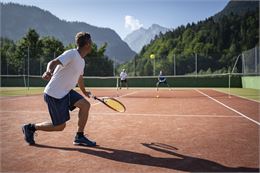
(251, 61)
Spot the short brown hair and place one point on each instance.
(82, 38)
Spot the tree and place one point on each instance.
(148, 68)
(42, 50)
(29, 47)
(51, 48)
(7, 53)
(97, 63)
(19, 60)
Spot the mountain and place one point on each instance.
(205, 47)
(17, 19)
(238, 8)
(138, 38)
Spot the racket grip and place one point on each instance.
(91, 95)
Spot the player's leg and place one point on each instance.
(157, 85)
(84, 107)
(125, 83)
(122, 83)
(29, 130)
(48, 126)
(78, 101)
(59, 112)
(169, 87)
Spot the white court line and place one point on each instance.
(250, 119)
(15, 98)
(26, 97)
(94, 104)
(166, 115)
(132, 114)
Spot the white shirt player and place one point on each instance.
(65, 77)
(123, 75)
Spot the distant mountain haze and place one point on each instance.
(138, 38)
(17, 19)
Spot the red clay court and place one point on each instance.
(184, 130)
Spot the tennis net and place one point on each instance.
(211, 80)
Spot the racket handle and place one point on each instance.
(92, 96)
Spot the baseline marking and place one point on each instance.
(168, 115)
(132, 114)
(241, 114)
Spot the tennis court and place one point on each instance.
(183, 130)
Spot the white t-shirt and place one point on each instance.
(123, 75)
(65, 77)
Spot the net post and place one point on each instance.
(117, 80)
(117, 83)
(229, 83)
(230, 73)
(28, 68)
(24, 80)
(255, 59)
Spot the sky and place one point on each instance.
(125, 16)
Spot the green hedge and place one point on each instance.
(200, 81)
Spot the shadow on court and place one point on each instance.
(182, 163)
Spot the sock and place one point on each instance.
(80, 134)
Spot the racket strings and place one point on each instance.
(114, 104)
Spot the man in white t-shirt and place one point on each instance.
(123, 76)
(64, 73)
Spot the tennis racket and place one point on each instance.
(111, 103)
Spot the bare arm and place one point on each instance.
(50, 68)
(82, 86)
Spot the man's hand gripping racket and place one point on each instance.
(110, 102)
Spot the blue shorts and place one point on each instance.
(123, 81)
(59, 108)
(161, 82)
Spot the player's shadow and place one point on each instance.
(176, 161)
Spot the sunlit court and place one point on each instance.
(184, 129)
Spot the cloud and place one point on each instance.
(132, 23)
